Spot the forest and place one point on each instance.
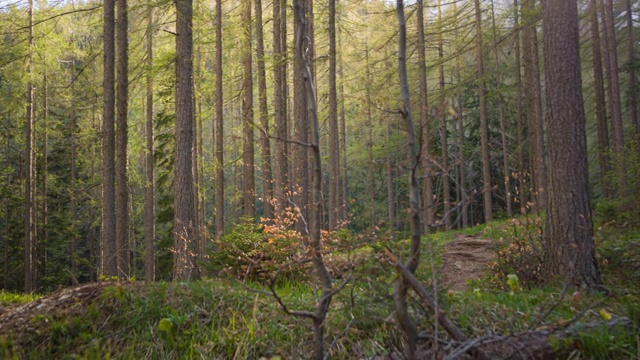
(311, 179)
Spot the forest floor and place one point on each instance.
(223, 318)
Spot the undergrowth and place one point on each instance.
(222, 318)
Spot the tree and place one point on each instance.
(443, 130)
(633, 83)
(520, 126)
(110, 265)
(281, 174)
(484, 136)
(29, 196)
(300, 181)
(248, 172)
(122, 181)
(334, 137)
(532, 94)
(402, 286)
(219, 127)
(149, 198)
(425, 156)
(601, 111)
(185, 267)
(568, 236)
(505, 155)
(613, 81)
(267, 178)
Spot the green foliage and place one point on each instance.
(256, 252)
(8, 298)
(519, 255)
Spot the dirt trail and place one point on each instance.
(465, 258)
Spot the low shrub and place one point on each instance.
(520, 254)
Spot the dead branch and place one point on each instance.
(440, 316)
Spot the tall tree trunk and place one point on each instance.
(484, 136)
(443, 129)
(334, 137)
(267, 178)
(369, 126)
(122, 181)
(425, 156)
(503, 136)
(390, 196)
(74, 202)
(615, 107)
(520, 126)
(300, 183)
(533, 104)
(110, 262)
(184, 208)
(219, 127)
(464, 197)
(29, 215)
(601, 111)
(315, 240)
(569, 247)
(149, 198)
(633, 84)
(281, 175)
(343, 137)
(248, 171)
(44, 230)
(400, 294)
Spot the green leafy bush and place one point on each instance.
(520, 254)
(255, 252)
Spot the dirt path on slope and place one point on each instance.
(465, 258)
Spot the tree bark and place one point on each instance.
(401, 286)
(633, 84)
(503, 137)
(300, 181)
(569, 250)
(533, 105)
(267, 178)
(425, 156)
(601, 111)
(484, 136)
(73, 199)
(334, 137)
(110, 260)
(343, 138)
(184, 208)
(615, 107)
(369, 126)
(149, 196)
(248, 172)
(219, 127)
(446, 196)
(464, 197)
(519, 123)
(281, 175)
(29, 211)
(122, 181)
(44, 226)
(315, 239)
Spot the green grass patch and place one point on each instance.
(10, 299)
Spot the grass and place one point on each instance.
(11, 299)
(223, 319)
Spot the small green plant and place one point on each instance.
(256, 251)
(520, 255)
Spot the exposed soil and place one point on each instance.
(465, 258)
